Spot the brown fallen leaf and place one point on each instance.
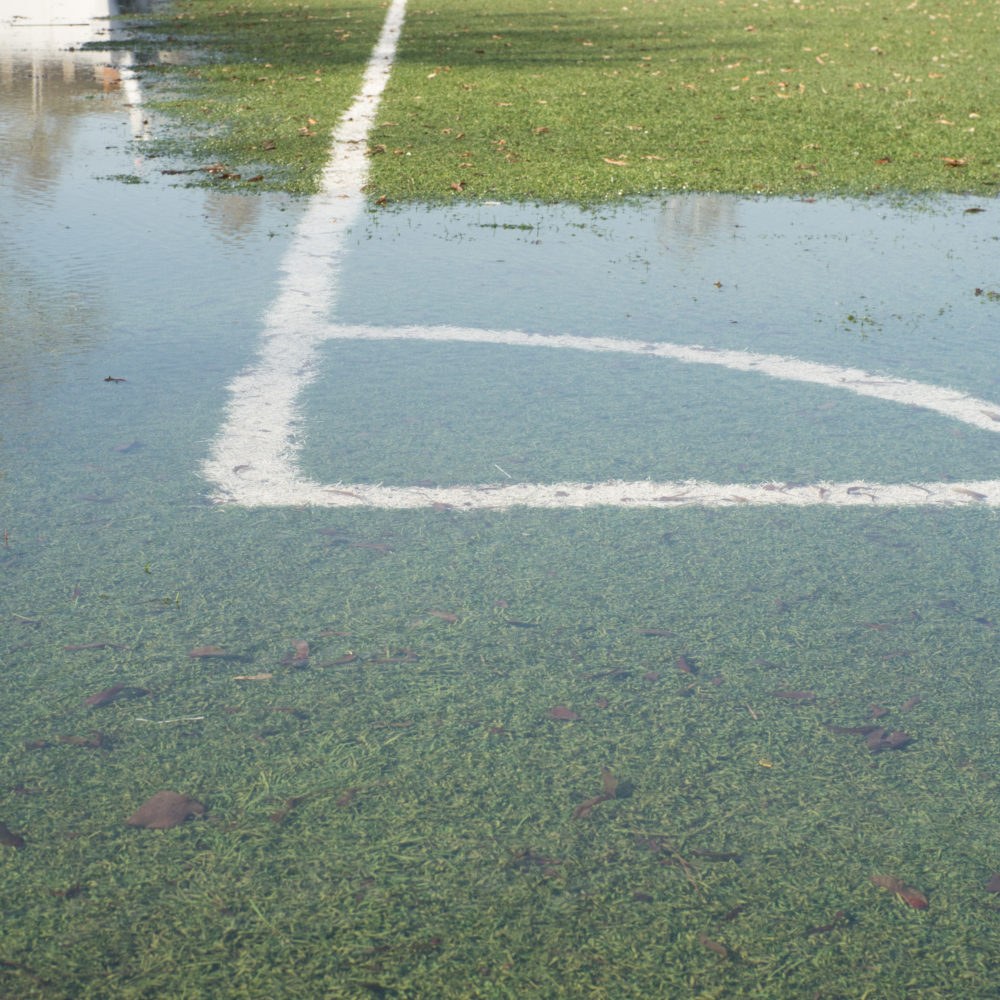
(203, 651)
(564, 713)
(104, 697)
(713, 946)
(446, 616)
(95, 741)
(164, 810)
(799, 696)
(610, 792)
(994, 883)
(911, 896)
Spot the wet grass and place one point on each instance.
(253, 90)
(575, 101)
(394, 814)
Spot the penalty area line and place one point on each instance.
(253, 459)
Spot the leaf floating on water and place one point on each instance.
(203, 651)
(684, 665)
(909, 895)
(564, 713)
(165, 810)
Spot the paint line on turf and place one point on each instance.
(261, 408)
(253, 461)
(257, 466)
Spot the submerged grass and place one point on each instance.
(576, 101)
(394, 815)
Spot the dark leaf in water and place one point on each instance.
(642, 897)
(10, 838)
(583, 809)
(910, 896)
(104, 697)
(70, 893)
(800, 696)
(124, 449)
(910, 704)
(713, 946)
(994, 883)
(562, 712)
(666, 633)
(518, 624)
(347, 798)
(164, 810)
(877, 711)
(610, 783)
(95, 741)
(875, 739)
(896, 740)
(301, 649)
(203, 651)
(684, 665)
(838, 918)
(446, 616)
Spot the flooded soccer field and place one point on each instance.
(520, 600)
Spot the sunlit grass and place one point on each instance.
(577, 101)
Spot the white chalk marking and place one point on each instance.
(252, 462)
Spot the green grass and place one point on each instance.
(532, 101)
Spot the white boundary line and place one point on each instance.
(252, 461)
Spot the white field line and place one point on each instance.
(252, 462)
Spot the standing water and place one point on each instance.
(436, 722)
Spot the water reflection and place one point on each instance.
(691, 222)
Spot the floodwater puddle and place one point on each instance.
(466, 673)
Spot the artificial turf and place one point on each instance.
(585, 102)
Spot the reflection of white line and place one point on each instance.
(253, 460)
